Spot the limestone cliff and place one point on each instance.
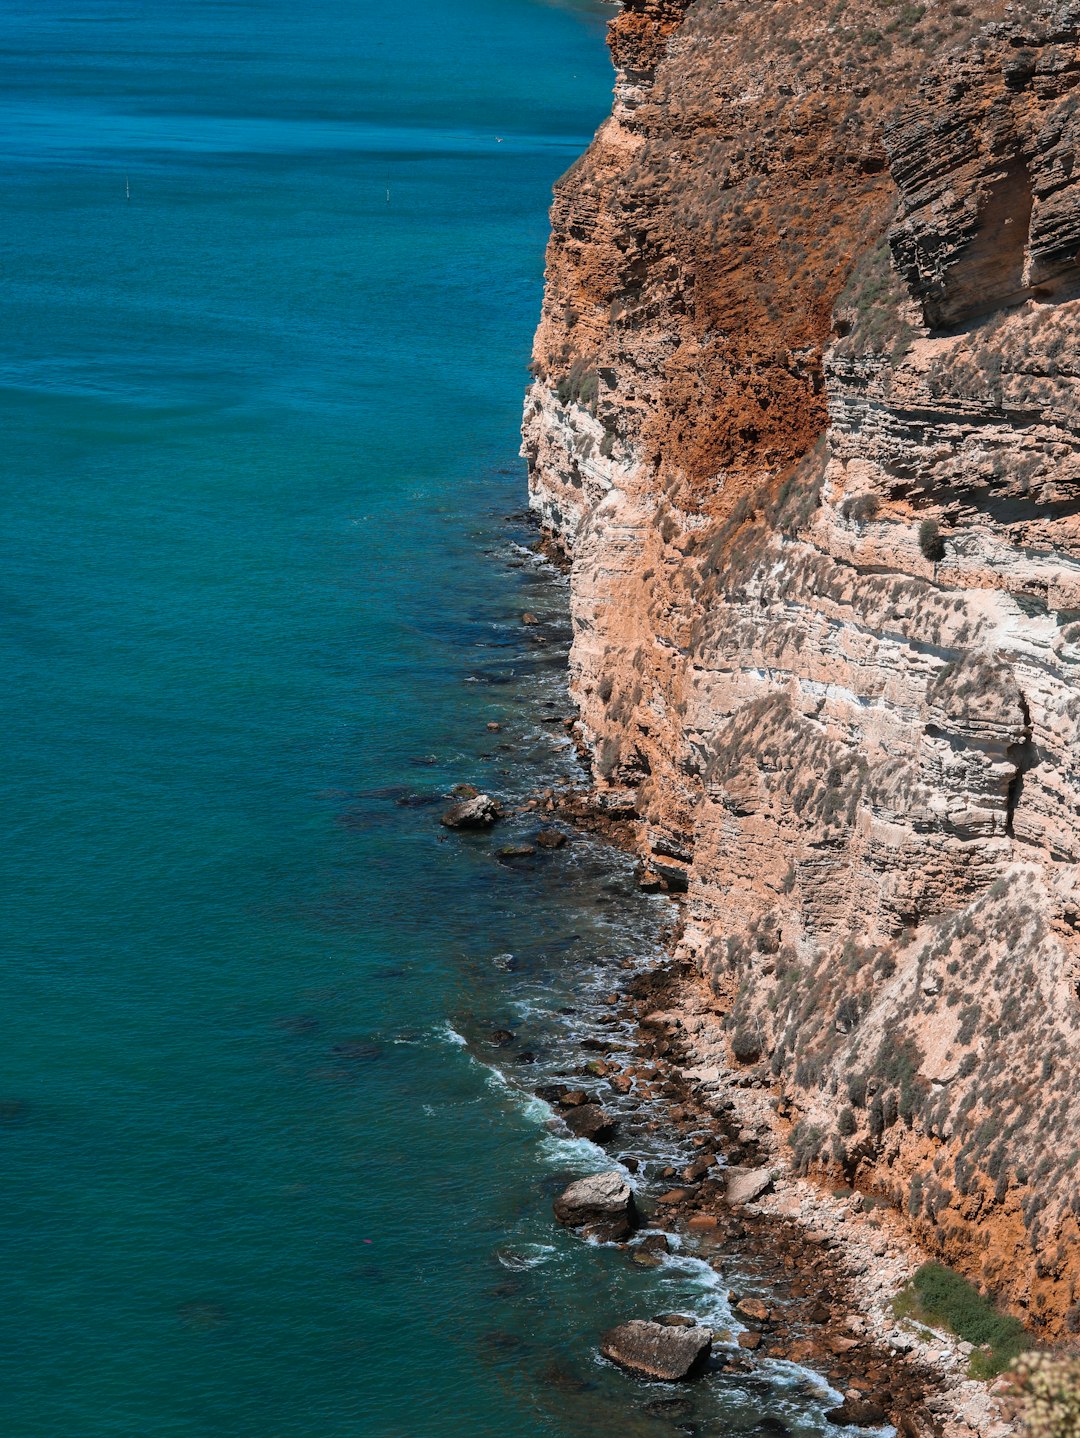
(806, 418)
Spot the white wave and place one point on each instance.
(525, 1255)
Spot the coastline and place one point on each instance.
(858, 1251)
(643, 1047)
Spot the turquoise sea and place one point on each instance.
(270, 273)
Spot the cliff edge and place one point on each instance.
(806, 421)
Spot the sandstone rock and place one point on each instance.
(571, 1097)
(749, 1339)
(676, 1320)
(551, 838)
(479, 812)
(818, 492)
(602, 1204)
(657, 1351)
(839, 1345)
(748, 1185)
(754, 1308)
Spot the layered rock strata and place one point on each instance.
(806, 422)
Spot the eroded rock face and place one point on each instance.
(807, 421)
(660, 1351)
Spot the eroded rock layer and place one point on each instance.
(806, 418)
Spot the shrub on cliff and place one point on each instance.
(746, 1046)
(580, 385)
(930, 541)
(860, 508)
(938, 1295)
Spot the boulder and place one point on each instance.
(675, 1320)
(571, 1097)
(657, 1351)
(655, 1243)
(602, 1205)
(551, 838)
(858, 1413)
(478, 812)
(747, 1185)
(753, 1308)
(588, 1120)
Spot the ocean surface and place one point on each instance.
(270, 274)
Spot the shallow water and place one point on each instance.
(259, 435)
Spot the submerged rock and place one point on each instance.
(601, 1205)
(657, 1351)
(478, 812)
(668, 1407)
(655, 1243)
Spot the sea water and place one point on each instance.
(270, 273)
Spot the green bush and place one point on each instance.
(937, 1295)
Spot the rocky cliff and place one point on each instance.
(806, 420)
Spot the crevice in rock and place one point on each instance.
(1025, 756)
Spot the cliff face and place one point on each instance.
(806, 419)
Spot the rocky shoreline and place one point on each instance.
(812, 1273)
(832, 1262)
(857, 1247)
